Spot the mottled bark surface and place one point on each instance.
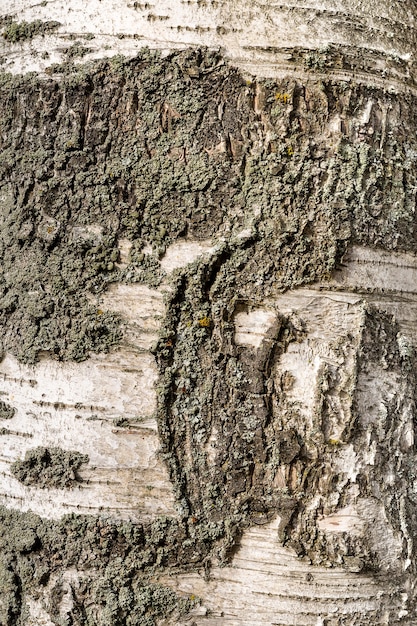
(207, 315)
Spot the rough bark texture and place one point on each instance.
(207, 313)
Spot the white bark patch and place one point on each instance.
(256, 36)
(37, 614)
(379, 533)
(328, 322)
(251, 326)
(142, 309)
(90, 232)
(78, 406)
(124, 249)
(73, 407)
(267, 584)
(181, 253)
(345, 520)
(377, 269)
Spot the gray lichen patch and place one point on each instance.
(116, 563)
(153, 149)
(6, 411)
(49, 467)
(136, 604)
(20, 31)
(77, 50)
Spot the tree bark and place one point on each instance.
(208, 310)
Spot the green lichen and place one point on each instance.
(143, 268)
(49, 467)
(77, 50)
(21, 31)
(116, 562)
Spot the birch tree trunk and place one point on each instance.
(208, 312)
